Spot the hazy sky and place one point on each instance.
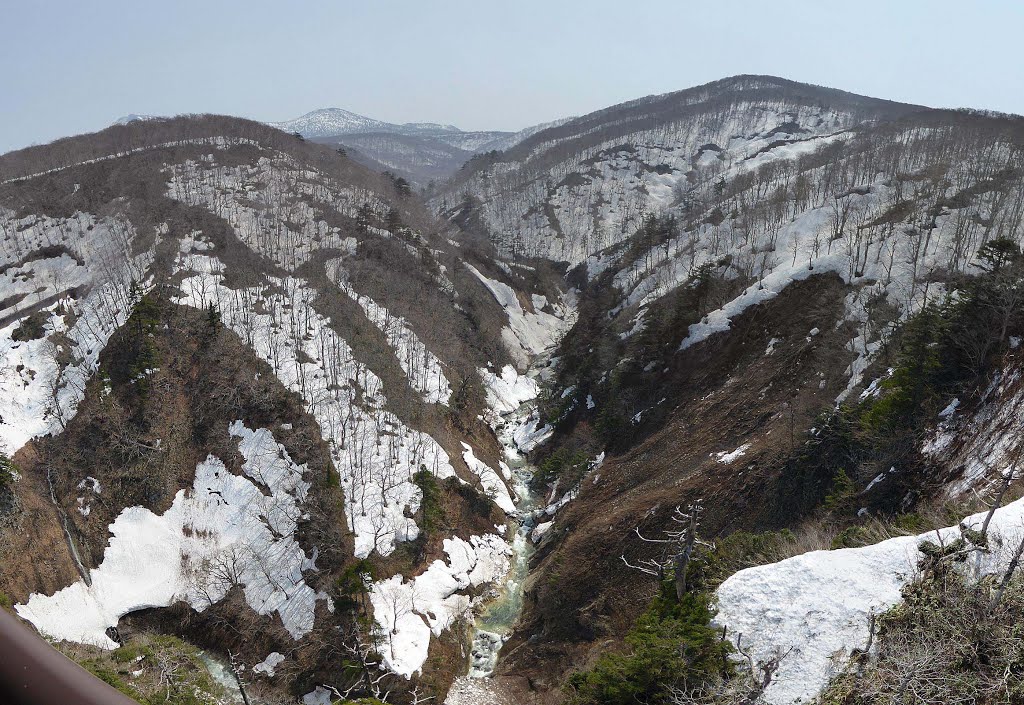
(69, 66)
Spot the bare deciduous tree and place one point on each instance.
(677, 546)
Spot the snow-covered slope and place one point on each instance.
(342, 294)
(746, 187)
(480, 141)
(978, 446)
(327, 122)
(743, 251)
(73, 275)
(529, 332)
(737, 254)
(223, 520)
(410, 612)
(816, 608)
(579, 186)
(503, 141)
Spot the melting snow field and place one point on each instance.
(515, 422)
(273, 190)
(375, 454)
(271, 662)
(820, 603)
(508, 389)
(528, 334)
(38, 395)
(222, 532)
(409, 612)
(494, 486)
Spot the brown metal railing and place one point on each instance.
(34, 673)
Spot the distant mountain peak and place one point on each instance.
(331, 122)
(133, 117)
(326, 122)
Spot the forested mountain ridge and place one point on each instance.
(753, 259)
(268, 399)
(425, 154)
(256, 361)
(576, 188)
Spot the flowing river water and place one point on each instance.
(221, 673)
(495, 623)
(518, 433)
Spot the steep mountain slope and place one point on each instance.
(748, 254)
(251, 381)
(426, 160)
(268, 373)
(570, 191)
(422, 160)
(515, 138)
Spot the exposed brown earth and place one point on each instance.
(581, 598)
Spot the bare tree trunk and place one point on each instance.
(682, 558)
(1008, 575)
(238, 678)
(1008, 480)
(998, 502)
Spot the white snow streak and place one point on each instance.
(422, 368)
(375, 454)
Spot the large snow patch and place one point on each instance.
(221, 533)
(819, 604)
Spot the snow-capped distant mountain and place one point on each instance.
(328, 122)
(430, 127)
(420, 151)
(331, 122)
(132, 117)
